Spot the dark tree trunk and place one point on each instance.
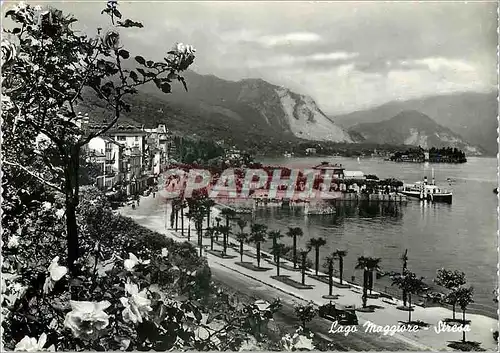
(370, 281)
(341, 268)
(330, 278)
(453, 310)
(365, 284)
(200, 238)
(211, 240)
(189, 230)
(241, 250)
(172, 217)
(303, 270)
(275, 244)
(409, 304)
(405, 295)
(176, 219)
(463, 326)
(277, 265)
(294, 252)
(71, 190)
(317, 261)
(224, 242)
(258, 254)
(208, 218)
(182, 221)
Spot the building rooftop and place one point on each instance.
(329, 166)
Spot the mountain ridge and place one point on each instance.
(411, 127)
(455, 111)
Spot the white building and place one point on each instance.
(354, 174)
(108, 154)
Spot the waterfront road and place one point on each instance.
(153, 214)
(355, 341)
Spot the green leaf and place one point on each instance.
(166, 88)
(16, 30)
(124, 54)
(117, 13)
(140, 60)
(149, 63)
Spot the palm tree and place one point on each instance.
(404, 258)
(451, 280)
(329, 260)
(303, 257)
(316, 243)
(198, 222)
(363, 264)
(208, 204)
(225, 230)
(411, 284)
(464, 298)
(294, 233)
(340, 254)
(257, 236)
(210, 232)
(229, 214)
(275, 235)
(372, 264)
(217, 220)
(242, 236)
(278, 251)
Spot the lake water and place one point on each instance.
(460, 236)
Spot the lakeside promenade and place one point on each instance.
(151, 214)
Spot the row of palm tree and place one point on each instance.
(407, 281)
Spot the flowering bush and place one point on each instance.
(75, 276)
(305, 312)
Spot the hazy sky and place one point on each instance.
(346, 55)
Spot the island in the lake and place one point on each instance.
(432, 155)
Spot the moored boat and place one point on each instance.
(425, 191)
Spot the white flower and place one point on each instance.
(262, 305)
(57, 272)
(13, 242)
(38, 8)
(132, 261)
(185, 49)
(164, 252)
(137, 305)
(87, 319)
(30, 344)
(20, 6)
(60, 213)
(47, 205)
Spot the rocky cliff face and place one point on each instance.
(260, 105)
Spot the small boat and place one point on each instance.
(425, 191)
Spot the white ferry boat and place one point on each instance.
(425, 191)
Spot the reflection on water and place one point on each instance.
(461, 235)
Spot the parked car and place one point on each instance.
(342, 316)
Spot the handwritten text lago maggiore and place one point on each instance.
(391, 330)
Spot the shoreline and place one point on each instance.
(378, 287)
(150, 214)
